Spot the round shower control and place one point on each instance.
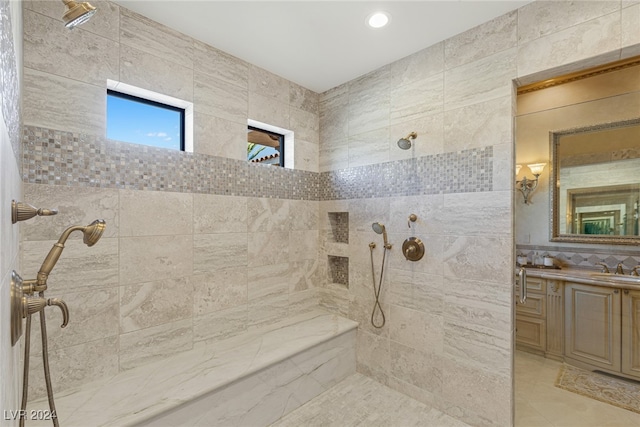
(413, 249)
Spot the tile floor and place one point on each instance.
(361, 401)
(540, 404)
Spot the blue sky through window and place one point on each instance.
(141, 123)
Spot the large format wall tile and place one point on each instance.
(219, 214)
(214, 293)
(486, 39)
(269, 85)
(93, 315)
(76, 206)
(540, 19)
(334, 114)
(420, 65)
(415, 100)
(212, 252)
(143, 305)
(75, 366)
(152, 257)
(479, 125)
(79, 267)
(147, 345)
(107, 26)
(591, 38)
(630, 31)
(220, 324)
(481, 80)
(267, 110)
(219, 98)
(153, 213)
(52, 48)
(219, 137)
(488, 257)
(220, 65)
(267, 248)
(303, 98)
(48, 99)
(477, 213)
(149, 36)
(140, 69)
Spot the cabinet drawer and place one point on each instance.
(535, 305)
(531, 332)
(537, 285)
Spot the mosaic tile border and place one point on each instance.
(583, 257)
(65, 158)
(9, 87)
(466, 171)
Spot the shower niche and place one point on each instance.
(339, 232)
(337, 248)
(339, 270)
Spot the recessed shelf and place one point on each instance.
(339, 270)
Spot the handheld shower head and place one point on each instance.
(379, 228)
(405, 143)
(77, 13)
(92, 234)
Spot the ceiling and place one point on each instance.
(320, 44)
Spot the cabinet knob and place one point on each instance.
(616, 291)
(626, 291)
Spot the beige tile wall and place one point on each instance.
(10, 189)
(448, 336)
(172, 268)
(449, 317)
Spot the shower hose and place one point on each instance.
(376, 289)
(45, 362)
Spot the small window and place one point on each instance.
(265, 147)
(142, 121)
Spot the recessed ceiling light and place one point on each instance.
(378, 19)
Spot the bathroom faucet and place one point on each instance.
(619, 269)
(605, 269)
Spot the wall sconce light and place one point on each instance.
(526, 185)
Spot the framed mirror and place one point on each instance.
(595, 184)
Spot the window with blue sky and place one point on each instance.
(140, 121)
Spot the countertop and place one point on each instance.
(585, 276)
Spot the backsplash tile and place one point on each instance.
(575, 257)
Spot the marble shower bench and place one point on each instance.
(251, 379)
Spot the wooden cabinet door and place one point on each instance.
(592, 325)
(631, 333)
(531, 332)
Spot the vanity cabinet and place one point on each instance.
(592, 325)
(539, 320)
(531, 324)
(602, 328)
(631, 333)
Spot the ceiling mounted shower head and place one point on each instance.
(77, 13)
(405, 143)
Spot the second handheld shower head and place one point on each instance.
(92, 234)
(379, 228)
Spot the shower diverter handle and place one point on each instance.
(36, 304)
